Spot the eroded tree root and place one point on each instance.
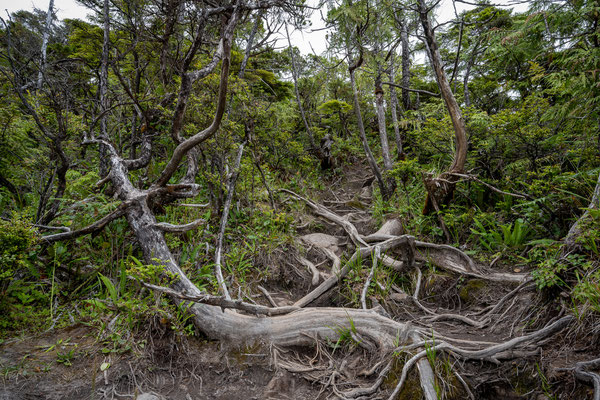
(376, 334)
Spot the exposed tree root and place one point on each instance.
(583, 373)
(443, 256)
(491, 354)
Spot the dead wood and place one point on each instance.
(166, 227)
(491, 354)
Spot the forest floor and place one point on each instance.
(72, 363)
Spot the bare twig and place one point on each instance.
(171, 228)
(363, 296)
(222, 302)
(267, 295)
(96, 226)
(495, 189)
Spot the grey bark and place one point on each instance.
(440, 192)
(394, 109)
(405, 64)
(385, 147)
(223, 53)
(361, 130)
(45, 37)
(468, 74)
(224, 216)
(250, 44)
(570, 241)
(451, 104)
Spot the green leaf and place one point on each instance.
(112, 290)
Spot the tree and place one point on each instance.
(441, 189)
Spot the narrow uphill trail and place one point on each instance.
(357, 310)
(472, 323)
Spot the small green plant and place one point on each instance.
(587, 290)
(493, 237)
(66, 357)
(347, 336)
(546, 386)
(515, 234)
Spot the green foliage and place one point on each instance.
(17, 240)
(20, 294)
(493, 236)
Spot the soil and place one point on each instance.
(186, 368)
(197, 370)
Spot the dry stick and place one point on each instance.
(224, 217)
(312, 268)
(504, 299)
(363, 296)
(325, 213)
(221, 301)
(264, 181)
(335, 260)
(194, 205)
(167, 227)
(367, 391)
(488, 354)
(311, 137)
(267, 295)
(465, 386)
(438, 212)
(96, 226)
(334, 279)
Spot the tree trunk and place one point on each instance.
(570, 241)
(363, 135)
(394, 109)
(61, 183)
(45, 37)
(405, 65)
(385, 147)
(103, 90)
(440, 191)
(468, 75)
(12, 189)
(250, 44)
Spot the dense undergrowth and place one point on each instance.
(533, 150)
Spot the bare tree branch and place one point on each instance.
(171, 228)
(95, 227)
(224, 303)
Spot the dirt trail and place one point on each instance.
(66, 363)
(175, 369)
(191, 368)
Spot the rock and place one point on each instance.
(322, 240)
(391, 227)
(472, 290)
(399, 297)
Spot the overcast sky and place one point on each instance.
(307, 41)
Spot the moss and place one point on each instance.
(412, 387)
(468, 293)
(240, 355)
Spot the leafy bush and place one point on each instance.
(20, 295)
(16, 241)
